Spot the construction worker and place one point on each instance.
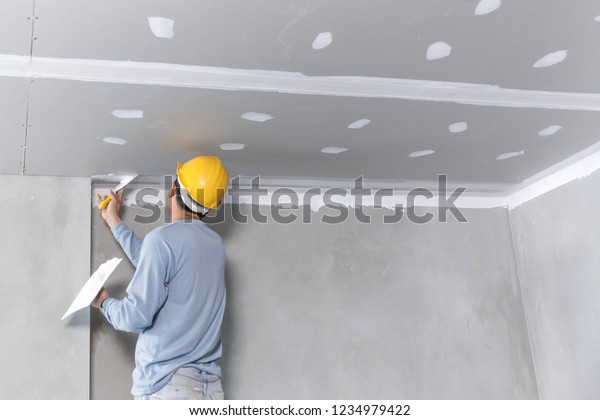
(176, 299)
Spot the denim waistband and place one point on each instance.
(196, 374)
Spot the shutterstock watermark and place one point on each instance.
(286, 205)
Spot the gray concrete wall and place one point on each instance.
(398, 311)
(45, 259)
(558, 252)
(112, 352)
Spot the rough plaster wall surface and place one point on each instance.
(353, 310)
(45, 259)
(376, 311)
(112, 352)
(556, 242)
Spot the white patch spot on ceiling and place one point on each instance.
(458, 127)
(510, 155)
(438, 50)
(334, 150)
(114, 140)
(322, 40)
(359, 124)
(128, 113)
(551, 59)
(161, 27)
(549, 131)
(232, 146)
(597, 18)
(487, 6)
(256, 116)
(421, 153)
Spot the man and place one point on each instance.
(176, 299)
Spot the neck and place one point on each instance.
(184, 216)
(177, 213)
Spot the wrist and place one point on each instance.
(99, 300)
(113, 221)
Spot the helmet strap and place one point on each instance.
(189, 202)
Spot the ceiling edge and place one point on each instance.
(395, 193)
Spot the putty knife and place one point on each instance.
(92, 287)
(118, 188)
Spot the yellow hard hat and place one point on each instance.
(205, 179)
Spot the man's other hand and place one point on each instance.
(103, 294)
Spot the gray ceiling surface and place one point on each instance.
(69, 119)
(13, 111)
(16, 20)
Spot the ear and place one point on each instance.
(172, 192)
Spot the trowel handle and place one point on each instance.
(104, 202)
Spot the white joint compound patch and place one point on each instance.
(510, 155)
(359, 124)
(128, 113)
(257, 117)
(161, 27)
(487, 6)
(421, 153)
(551, 59)
(232, 146)
(114, 140)
(323, 40)
(333, 150)
(546, 132)
(458, 127)
(438, 50)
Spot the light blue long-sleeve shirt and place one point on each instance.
(175, 301)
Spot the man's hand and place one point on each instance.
(97, 302)
(110, 213)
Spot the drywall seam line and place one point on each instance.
(176, 75)
(91, 244)
(24, 158)
(519, 279)
(32, 29)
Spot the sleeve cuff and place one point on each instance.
(104, 306)
(120, 229)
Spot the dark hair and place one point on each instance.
(181, 204)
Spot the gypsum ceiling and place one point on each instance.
(387, 90)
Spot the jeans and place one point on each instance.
(188, 384)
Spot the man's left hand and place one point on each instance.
(103, 294)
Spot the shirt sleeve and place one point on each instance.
(130, 243)
(146, 292)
